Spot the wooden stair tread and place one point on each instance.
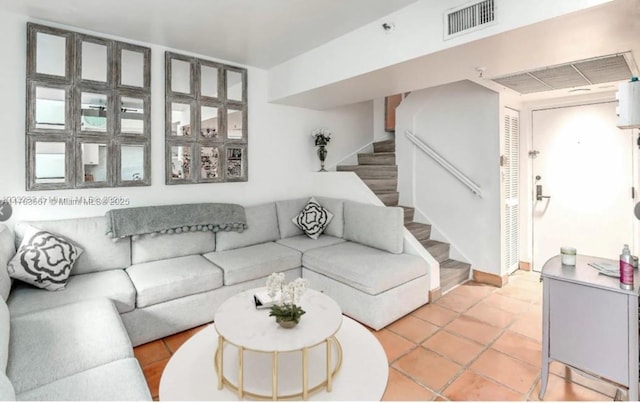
(381, 184)
(372, 171)
(420, 231)
(384, 146)
(388, 198)
(452, 273)
(408, 214)
(385, 158)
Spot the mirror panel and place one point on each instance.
(132, 163)
(234, 124)
(51, 54)
(235, 86)
(94, 162)
(131, 115)
(180, 119)
(210, 163)
(95, 64)
(181, 162)
(50, 162)
(209, 81)
(132, 68)
(235, 162)
(50, 108)
(210, 122)
(209, 127)
(93, 112)
(180, 76)
(88, 111)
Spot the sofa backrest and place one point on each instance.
(262, 223)
(6, 389)
(151, 247)
(100, 251)
(375, 226)
(7, 250)
(287, 209)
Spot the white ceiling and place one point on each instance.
(609, 29)
(260, 33)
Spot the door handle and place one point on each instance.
(539, 195)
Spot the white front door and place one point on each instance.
(582, 185)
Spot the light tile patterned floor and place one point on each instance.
(476, 343)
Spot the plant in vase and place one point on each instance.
(321, 137)
(287, 312)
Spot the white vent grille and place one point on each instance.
(469, 18)
(600, 70)
(511, 190)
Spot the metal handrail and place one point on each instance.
(444, 163)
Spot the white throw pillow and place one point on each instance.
(44, 259)
(313, 219)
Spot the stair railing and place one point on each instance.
(443, 162)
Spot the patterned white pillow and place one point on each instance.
(313, 219)
(44, 259)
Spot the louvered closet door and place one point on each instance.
(511, 189)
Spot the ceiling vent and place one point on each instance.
(469, 18)
(606, 69)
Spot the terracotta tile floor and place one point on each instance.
(476, 343)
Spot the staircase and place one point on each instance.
(380, 172)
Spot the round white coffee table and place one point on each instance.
(240, 324)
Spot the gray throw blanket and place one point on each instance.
(175, 218)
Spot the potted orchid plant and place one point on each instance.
(287, 312)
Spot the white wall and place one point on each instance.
(281, 151)
(461, 122)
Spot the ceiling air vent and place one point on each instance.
(468, 18)
(600, 70)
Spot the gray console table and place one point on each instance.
(589, 323)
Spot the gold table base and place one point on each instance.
(306, 391)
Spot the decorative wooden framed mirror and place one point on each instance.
(205, 121)
(88, 111)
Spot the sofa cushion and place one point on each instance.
(4, 336)
(44, 259)
(100, 252)
(286, 210)
(112, 284)
(375, 226)
(168, 279)
(313, 219)
(367, 269)
(151, 247)
(262, 223)
(6, 388)
(7, 250)
(336, 207)
(303, 243)
(55, 343)
(252, 262)
(125, 381)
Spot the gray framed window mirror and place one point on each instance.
(205, 121)
(88, 111)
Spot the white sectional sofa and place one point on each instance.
(76, 344)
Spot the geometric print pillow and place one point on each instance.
(44, 259)
(313, 219)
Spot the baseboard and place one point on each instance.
(435, 294)
(490, 278)
(526, 266)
